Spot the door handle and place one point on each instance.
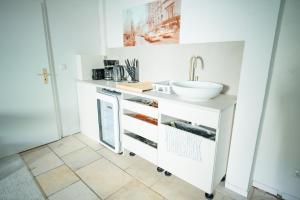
(45, 75)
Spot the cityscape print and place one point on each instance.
(157, 22)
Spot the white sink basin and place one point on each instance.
(197, 90)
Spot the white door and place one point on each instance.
(27, 114)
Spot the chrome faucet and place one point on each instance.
(193, 66)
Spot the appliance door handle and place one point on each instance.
(109, 107)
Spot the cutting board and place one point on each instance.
(135, 87)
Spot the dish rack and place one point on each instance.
(198, 130)
(163, 87)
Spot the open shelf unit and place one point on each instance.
(139, 119)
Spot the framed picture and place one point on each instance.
(157, 22)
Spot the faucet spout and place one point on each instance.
(191, 71)
(193, 66)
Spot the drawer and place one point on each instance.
(140, 108)
(143, 150)
(190, 113)
(139, 127)
(197, 172)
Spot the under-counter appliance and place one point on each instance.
(108, 118)
(98, 74)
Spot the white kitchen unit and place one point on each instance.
(188, 139)
(88, 111)
(196, 159)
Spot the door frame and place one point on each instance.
(51, 64)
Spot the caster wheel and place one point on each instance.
(120, 153)
(132, 154)
(209, 196)
(223, 179)
(159, 169)
(168, 173)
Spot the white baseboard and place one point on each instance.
(264, 187)
(289, 197)
(273, 191)
(237, 189)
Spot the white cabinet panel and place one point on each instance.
(196, 172)
(204, 173)
(88, 110)
(144, 150)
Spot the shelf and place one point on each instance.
(140, 127)
(144, 101)
(141, 139)
(190, 113)
(188, 127)
(137, 145)
(143, 118)
(138, 107)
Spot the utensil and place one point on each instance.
(132, 69)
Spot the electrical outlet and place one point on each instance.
(297, 173)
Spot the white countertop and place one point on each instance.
(219, 103)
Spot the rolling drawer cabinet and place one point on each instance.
(139, 136)
(207, 172)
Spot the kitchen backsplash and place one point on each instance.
(222, 61)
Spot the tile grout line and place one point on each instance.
(69, 152)
(62, 189)
(48, 169)
(103, 157)
(98, 153)
(75, 151)
(102, 147)
(63, 163)
(90, 188)
(124, 170)
(34, 179)
(121, 170)
(74, 172)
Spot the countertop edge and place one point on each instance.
(212, 105)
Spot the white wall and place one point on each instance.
(74, 28)
(229, 20)
(278, 150)
(86, 63)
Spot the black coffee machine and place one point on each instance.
(98, 74)
(108, 68)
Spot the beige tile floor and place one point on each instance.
(79, 168)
